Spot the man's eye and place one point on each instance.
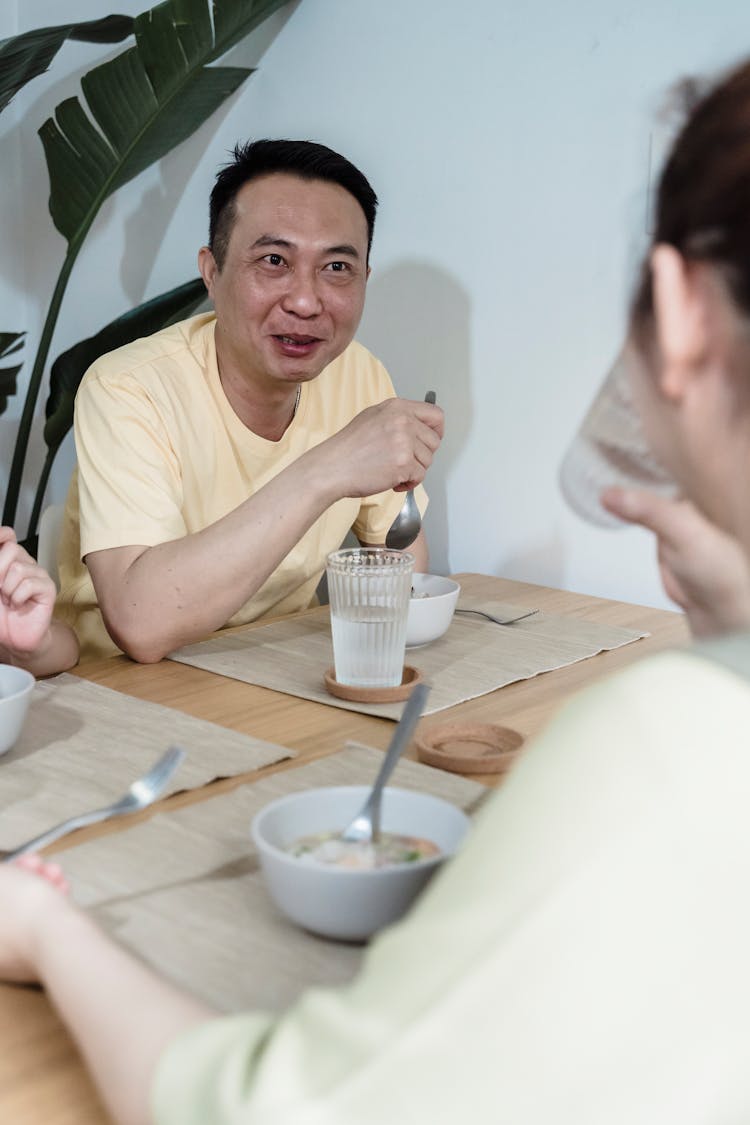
(338, 267)
(274, 259)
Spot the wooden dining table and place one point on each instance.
(42, 1079)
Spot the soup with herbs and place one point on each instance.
(390, 849)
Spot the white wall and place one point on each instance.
(509, 145)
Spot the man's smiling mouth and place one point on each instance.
(298, 339)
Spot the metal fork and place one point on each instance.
(500, 620)
(141, 793)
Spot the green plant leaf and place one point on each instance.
(70, 367)
(10, 343)
(143, 103)
(26, 56)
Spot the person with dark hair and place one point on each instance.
(304, 159)
(221, 460)
(584, 958)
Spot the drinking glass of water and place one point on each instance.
(369, 590)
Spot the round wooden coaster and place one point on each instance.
(353, 694)
(469, 747)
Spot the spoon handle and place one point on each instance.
(403, 732)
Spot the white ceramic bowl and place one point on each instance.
(342, 902)
(430, 616)
(16, 687)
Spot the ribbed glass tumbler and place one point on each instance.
(369, 590)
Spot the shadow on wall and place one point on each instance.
(417, 322)
(151, 212)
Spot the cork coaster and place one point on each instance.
(353, 694)
(469, 747)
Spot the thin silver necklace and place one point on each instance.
(296, 400)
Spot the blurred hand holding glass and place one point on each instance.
(369, 590)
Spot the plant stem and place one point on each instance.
(41, 488)
(32, 391)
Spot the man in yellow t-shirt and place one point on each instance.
(220, 460)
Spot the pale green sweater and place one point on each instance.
(584, 960)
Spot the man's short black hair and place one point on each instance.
(305, 159)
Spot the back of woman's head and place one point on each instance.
(703, 206)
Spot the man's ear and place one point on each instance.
(680, 309)
(208, 268)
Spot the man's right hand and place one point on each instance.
(390, 445)
(155, 599)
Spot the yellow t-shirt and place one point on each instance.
(162, 454)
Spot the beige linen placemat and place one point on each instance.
(82, 746)
(474, 657)
(183, 889)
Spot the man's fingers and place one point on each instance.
(432, 416)
(425, 412)
(429, 437)
(423, 453)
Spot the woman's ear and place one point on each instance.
(680, 308)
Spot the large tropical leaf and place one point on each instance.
(22, 58)
(10, 343)
(70, 367)
(26, 56)
(143, 103)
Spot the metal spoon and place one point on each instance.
(405, 528)
(366, 825)
(141, 793)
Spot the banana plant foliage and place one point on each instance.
(22, 58)
(26, 56)
(70, 367)
(140, 105)
(10, 343)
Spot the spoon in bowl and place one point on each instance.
(366, 825)
(406, 526)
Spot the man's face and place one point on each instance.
(290, 294)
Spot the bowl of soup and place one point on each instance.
(16, 686)
(431, 608)
(350, 892)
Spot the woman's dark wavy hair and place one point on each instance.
(703, 206)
